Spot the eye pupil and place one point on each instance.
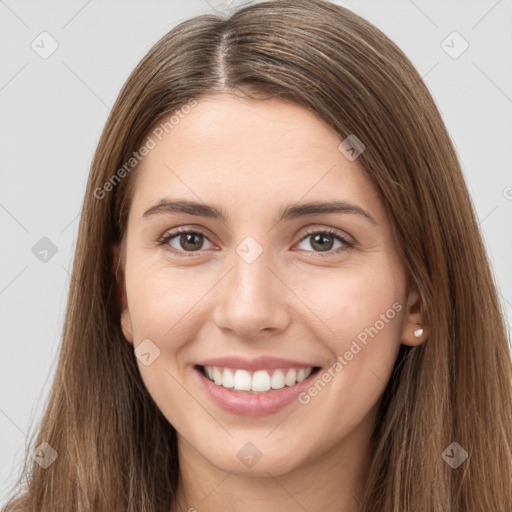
(189, 238)
(317, 239)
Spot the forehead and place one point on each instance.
(233, 151)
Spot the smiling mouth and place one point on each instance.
(255, 382)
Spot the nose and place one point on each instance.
(251, 300)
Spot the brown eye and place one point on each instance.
(184, 241)
(191, 241)
(323, 241)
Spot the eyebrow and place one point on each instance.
(290, 212)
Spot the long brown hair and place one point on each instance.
(116, 451)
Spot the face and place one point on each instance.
(260, 288)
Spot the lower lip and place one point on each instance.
(246, 404)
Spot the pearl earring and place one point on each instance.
(418, 333)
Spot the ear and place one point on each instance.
(117, 266)
(414, 320)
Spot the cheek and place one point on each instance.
(162, 300)
(359, 319)
(161, 304)
(364, 313)
(370, 310)
(352, 302)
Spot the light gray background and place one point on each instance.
(53, 111)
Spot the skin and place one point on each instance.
(294, 301)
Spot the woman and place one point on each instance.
(281, 299)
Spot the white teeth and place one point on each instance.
(291, 377)
(217, 376)
(277, 379)
(227, 378)
(259, 381)
(242, 380)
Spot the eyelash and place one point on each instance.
(329, 231)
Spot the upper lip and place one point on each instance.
(254, 364)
